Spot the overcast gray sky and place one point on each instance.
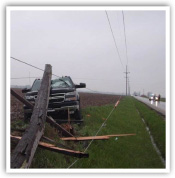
(80, 44)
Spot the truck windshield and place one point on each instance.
(64, 82)
(36, 85)
(61, 83)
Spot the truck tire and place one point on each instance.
(78, 115)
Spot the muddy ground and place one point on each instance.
(87, 99)
(91, 99)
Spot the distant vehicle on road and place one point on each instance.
(157, 97)
(136, 93)
(151, 96)
(154, 97)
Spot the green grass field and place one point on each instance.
(117, 152)
(163, 99)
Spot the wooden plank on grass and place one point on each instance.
(54, 148)
(23, 153)
(102, 137)
(120, 135)
(85, 138)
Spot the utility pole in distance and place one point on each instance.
(126, 78)
(128, 87)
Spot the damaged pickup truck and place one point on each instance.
(63, 99)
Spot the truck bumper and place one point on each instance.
(73, 106)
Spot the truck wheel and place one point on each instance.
(78, 115)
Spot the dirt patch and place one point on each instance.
(16, 109)
(91, 99)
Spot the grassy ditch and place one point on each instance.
(117, 152)
(156, 124)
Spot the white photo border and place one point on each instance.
(84, 8)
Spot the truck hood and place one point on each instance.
(52, 91)
(61, 90)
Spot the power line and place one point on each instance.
(102, 125)
(16, 78)
(91, 79)
(126, 55)
(27, 64)
(125, 36)
(30, 65)
(24, 77)
(71, 77)
(114, 38)
(93, 90)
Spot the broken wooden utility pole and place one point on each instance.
(23, 153)
(48, 119)
(56, 149)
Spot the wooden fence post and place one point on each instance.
(23, 154)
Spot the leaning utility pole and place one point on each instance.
(23, 153)
(126, 78)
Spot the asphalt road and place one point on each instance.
(156, 105)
